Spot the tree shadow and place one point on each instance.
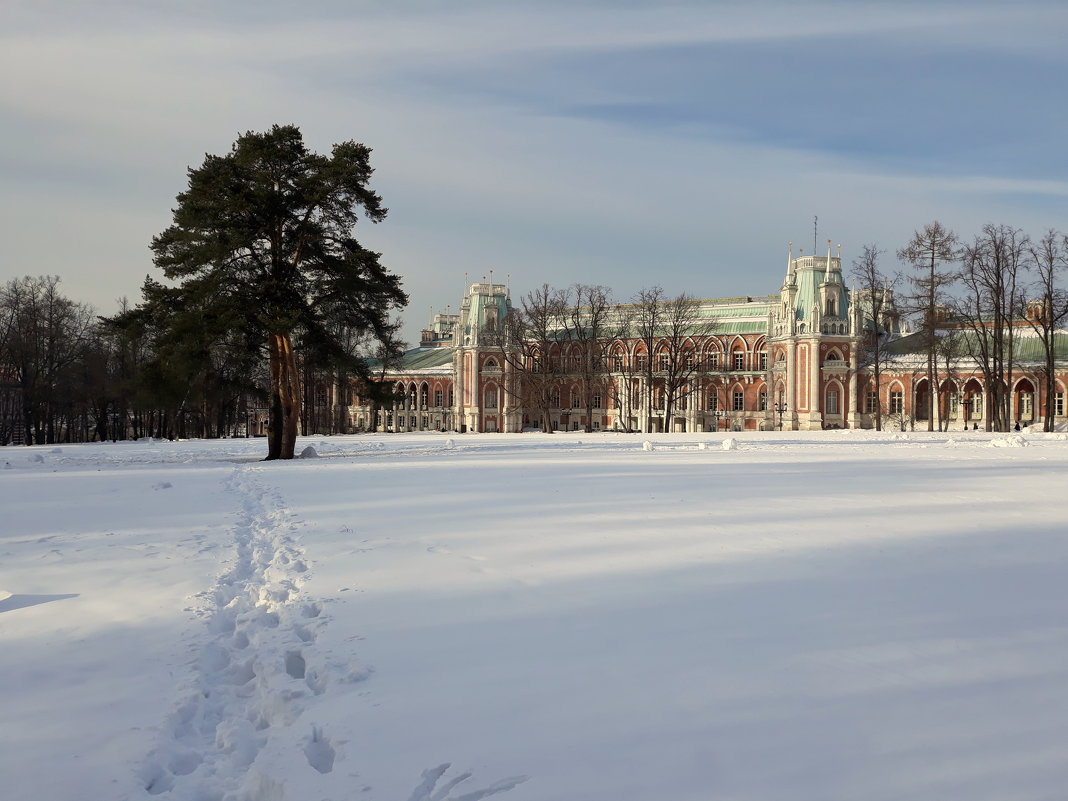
(22, 601)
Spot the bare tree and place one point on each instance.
(927, 252)
(587, 322)
(685, 325)
(648, 322)
(45, 335)
(669, 331)
(948, 348)
(625, 373)
(874, 295)
(989, 308)
(1049, 307)
(529, 343)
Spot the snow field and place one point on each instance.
(837, 615)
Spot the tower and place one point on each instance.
(813, 345)
(481, 402)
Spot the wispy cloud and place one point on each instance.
(604, 142)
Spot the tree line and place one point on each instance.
(267, 295)
(971, 299)
(570, 339)
(268, 304)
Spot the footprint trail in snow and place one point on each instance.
(255, 669)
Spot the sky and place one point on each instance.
(681, 144)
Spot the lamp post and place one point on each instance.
(718, 414)
(780, 409)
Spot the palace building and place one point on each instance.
(796, 360)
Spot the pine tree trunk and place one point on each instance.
(290, 397)
(274, 425)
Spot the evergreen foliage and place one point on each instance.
(263, 258)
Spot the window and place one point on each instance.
(597, 400)
(832, 401)
(763, 401)
(554, 399)
(897, 401)
(596, 425)
(491, 398)
(426, 421)
(713, 401)
(977, 404)
(491, 364)
(660, 399)
(713, 361)
(451, 403)
(1058, 404)
(423, 397)
(576, 401)
(320, 396)
(437, 397)
(642, 361)
(617, 360)
(689, 360)
(411, 422)
(665, 361)
(739, 401)
(764, 360)
(871, 401)
(739, 360)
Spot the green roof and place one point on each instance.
(419, 359)
(425, 358)
(1027, 347)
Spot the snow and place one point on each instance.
(831, 615)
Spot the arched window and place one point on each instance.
(832, 400)
(897, 399)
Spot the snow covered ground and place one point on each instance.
(836, 615)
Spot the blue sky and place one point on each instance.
(622, 143)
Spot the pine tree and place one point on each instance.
(261, 250)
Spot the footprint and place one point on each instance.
(295, 665)
(158, 780)
(319, 751)
(311, 610)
